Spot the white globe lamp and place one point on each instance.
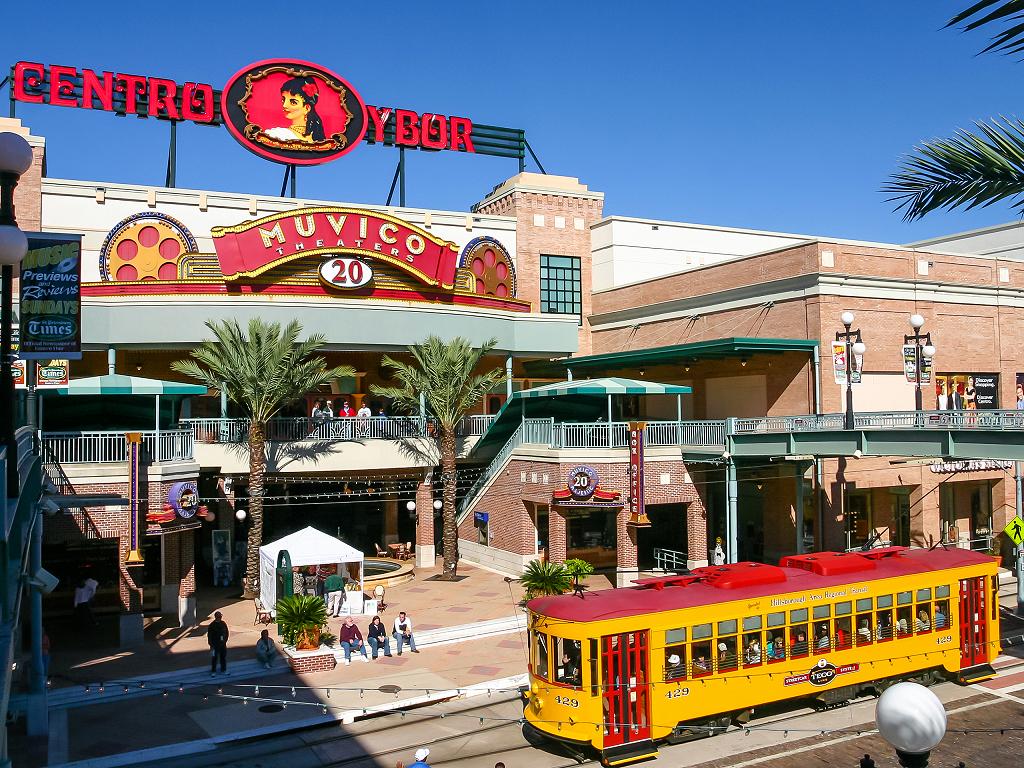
(859, 348)
(913, 720)
(13, 245)
(916, 321)
(438, 503)
(15, 154)
(240, 515)
(411, 506)
(847, 318)
(928, 351)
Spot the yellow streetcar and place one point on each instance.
(678, 657)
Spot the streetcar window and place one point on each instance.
(726, 650)
(884, 601)
(904, 598)
(923, 622)
(540, 655)
(864, 631)
(675, 662)
(995, 598)
(864, 604)
(798, 616)
(844, 633)
(798, 641)
(942, 590)
(701, 655)
(941, 617)
(822, 611)
(883, 625)
(673, 636)
(904, 620)
(775, 647)
(822, 637)
(777, 619)
(567, 656)
(924, 594)
(753, 654)
(594, 685)
(727, 627)
(752, 622)
(700, 631)
(845, 609)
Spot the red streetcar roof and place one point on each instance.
(746, 581)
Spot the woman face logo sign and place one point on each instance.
(293, 112)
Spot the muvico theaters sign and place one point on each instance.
(290, 112)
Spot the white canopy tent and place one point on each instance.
(306, 547)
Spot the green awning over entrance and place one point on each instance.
(735, 346)
(603, 387)
(118, 384)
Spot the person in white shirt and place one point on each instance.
(84, 593)
(363, 416)
(403, 632)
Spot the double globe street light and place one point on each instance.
(922, 352)
(855, 346)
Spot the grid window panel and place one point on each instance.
(561, 285)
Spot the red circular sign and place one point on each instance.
(293, 112)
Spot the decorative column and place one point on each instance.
(558, 536)
(625, 550)
(425, 550)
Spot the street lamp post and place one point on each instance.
(854, 346)
(922, 352)
(912, 719)
(15, 159)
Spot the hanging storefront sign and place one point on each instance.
(969, 465)
(910, 365)
(181, 512)
(637, 511)
(582, 488)
(134, 441)
(253, 247)
(966, 391)
(50, 306)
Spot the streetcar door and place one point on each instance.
(973, 627)
(626, 706)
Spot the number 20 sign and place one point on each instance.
(344, 272)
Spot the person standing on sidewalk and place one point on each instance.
(334, 587)
(403, 632)
(421, 758)
(352, 640)
(217, 637)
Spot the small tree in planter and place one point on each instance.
(577, 569)
(545, 579)
(303, 621)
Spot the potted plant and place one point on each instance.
(545, 579)
(302, 620)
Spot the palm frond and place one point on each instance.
(968, 170)
(1009, 40)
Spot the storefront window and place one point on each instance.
(591, 537)
(561, 286)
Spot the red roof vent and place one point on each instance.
(739, 575)
(883, 552)
(829, 563)
(660, 582)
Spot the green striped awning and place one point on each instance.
(606, 386)
(117, 384)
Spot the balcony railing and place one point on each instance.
(287, 430)
(111, 447)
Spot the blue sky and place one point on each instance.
(784, 116)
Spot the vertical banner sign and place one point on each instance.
(839, 361)
(910, 365)
(134, 440)
(50, 306)
(637, 513)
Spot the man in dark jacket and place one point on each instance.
(217, 637)
(352, 640)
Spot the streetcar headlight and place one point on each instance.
(534, 688)
(538, 703)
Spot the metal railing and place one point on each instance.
(538, 431)
(294, 429)
(492, 469)
(670, 560)
(591, 435)
(111, 447)
(686, 433)
(999, 420)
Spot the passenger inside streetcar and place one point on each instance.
(864, 632)
(924, 624)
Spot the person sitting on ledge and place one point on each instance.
(265, 650)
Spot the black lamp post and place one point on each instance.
(15, 159)
(922, 352)
(854, 346)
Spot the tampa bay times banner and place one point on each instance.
(50, 305)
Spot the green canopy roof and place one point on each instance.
(734, 346)
(579, 400)
(118, 384)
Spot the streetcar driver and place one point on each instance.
(568, 671)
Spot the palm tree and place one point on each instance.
(969, 169)
(443, 373)
(262, 371)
